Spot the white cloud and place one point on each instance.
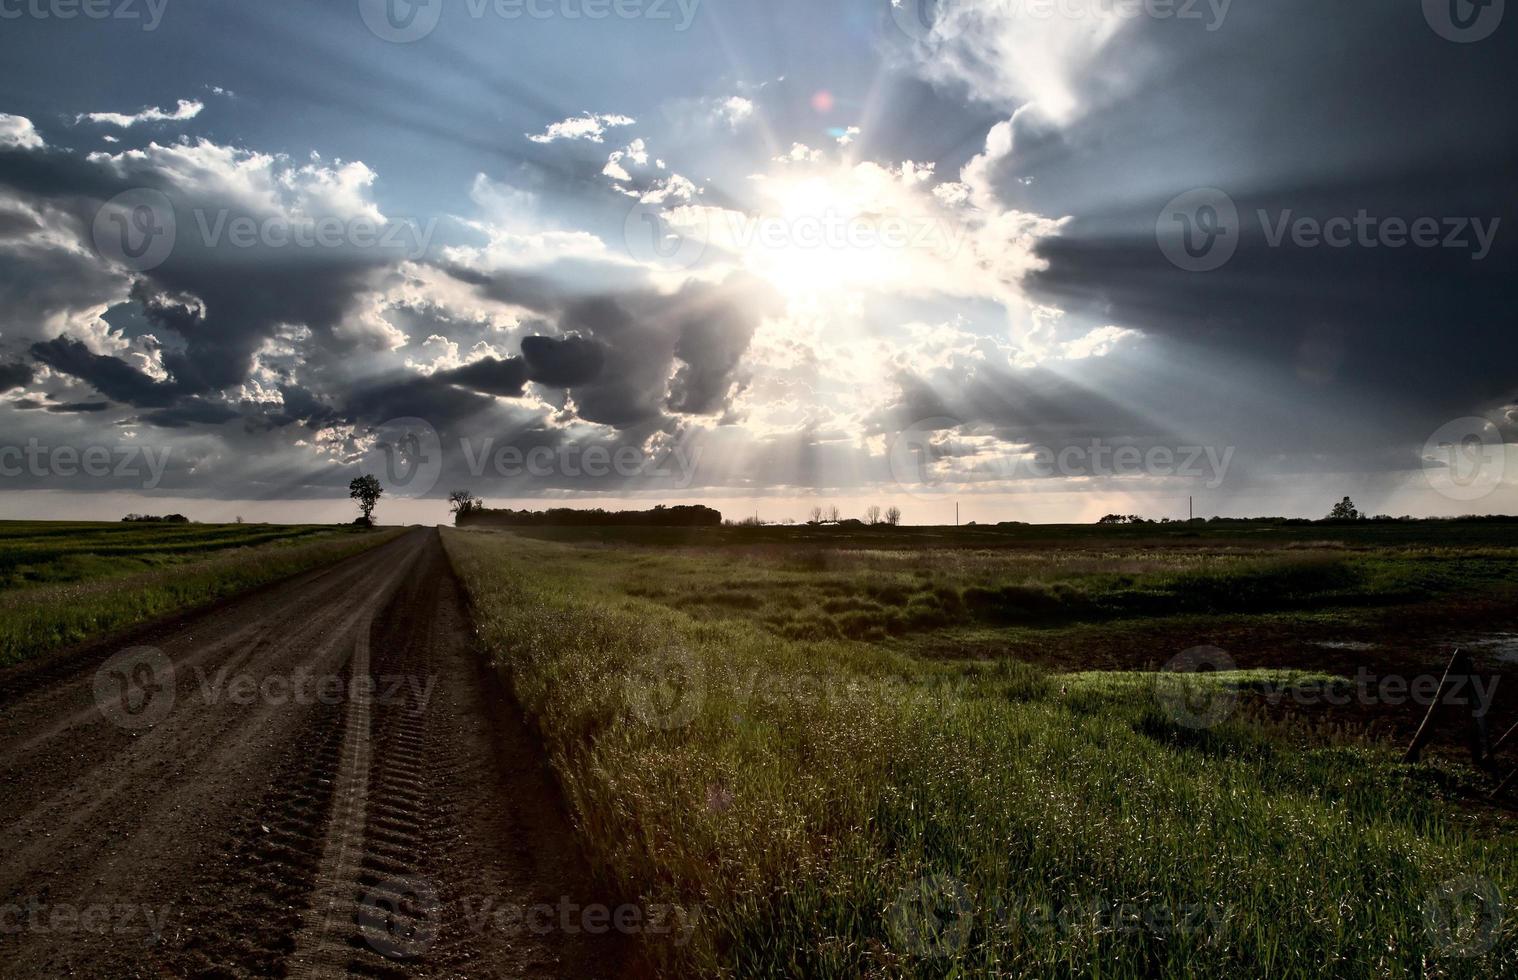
(801, 153)
(17, 132)
(733, 111)
(1098, 343)
(614, 168)
(188, 109)
(590, 127)
(635, 152)
(517, 234)
(263, 183)
(1009, 54)
(847, 136)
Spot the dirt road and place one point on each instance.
(318, 779)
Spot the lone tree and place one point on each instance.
(872, 514)
(367, 491)
(462, 503)
(893, 516)
(1344, 510)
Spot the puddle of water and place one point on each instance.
(1502, 646)
(1343, 645)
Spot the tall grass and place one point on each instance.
(41, 618)
(40, 552)
(837, 809)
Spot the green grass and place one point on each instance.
(67, 582)
(816, 594)
(837, 807)
(39, 553)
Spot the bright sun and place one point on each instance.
(816, 236)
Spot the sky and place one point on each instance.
(1040, 259)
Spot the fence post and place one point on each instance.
(1461, 671)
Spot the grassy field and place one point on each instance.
(835, 752)
(63, 582)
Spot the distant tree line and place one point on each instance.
(873, 516)
(1343, 512)
(470, 510)
(151, 519)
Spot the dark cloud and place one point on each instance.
(1297, 110)
(17, 224)
(493, 376)
(442, 404)
(630, 358)
(79, 408)
(41, 283)
(563, 363)
(111, 376)
(15, 376)
(190, 411)
(536, 293)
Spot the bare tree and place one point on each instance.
(816, 515)
(462, 502)
(893, 515)
(872, 514)
(834, 514)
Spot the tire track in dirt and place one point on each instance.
(343, 837)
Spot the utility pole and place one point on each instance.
(956, 513)
(1190, 509)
